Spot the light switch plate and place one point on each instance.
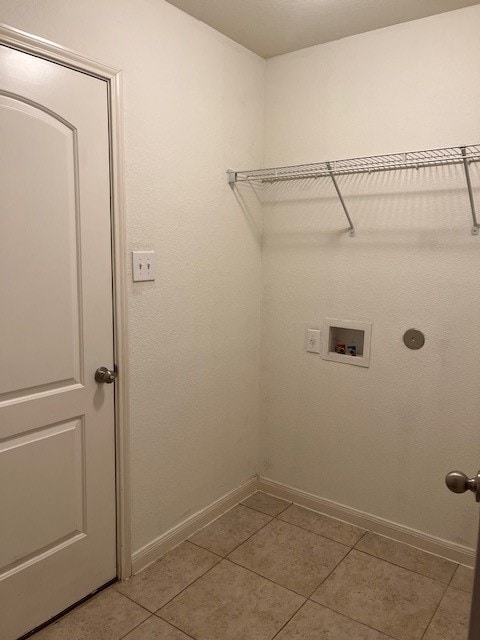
(143, 266)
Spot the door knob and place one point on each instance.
(104, 375)
(459, 482)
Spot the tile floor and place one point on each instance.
(270, 569)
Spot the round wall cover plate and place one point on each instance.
(413, 339)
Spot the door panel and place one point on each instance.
(38, 249)
(57, 448)
(47, 505)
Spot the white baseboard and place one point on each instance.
(158, 547)
(444, 548)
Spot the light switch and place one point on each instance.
(143, 265)
(313, 340)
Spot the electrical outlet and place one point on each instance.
(143, 266)
(313, 340)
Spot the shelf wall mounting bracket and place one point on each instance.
(475, 227)
(342, 201)
(231, 177)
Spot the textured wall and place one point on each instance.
(378, 439)
(193, 107)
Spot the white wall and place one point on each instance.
(378, 439)
(193, 107)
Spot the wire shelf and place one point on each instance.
(463, 155)
(369, 164)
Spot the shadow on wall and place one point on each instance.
(415, 207)
(251, 206)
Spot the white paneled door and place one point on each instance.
(57, 439)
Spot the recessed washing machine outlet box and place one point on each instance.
(347, 341)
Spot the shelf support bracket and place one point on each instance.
(475, 228)
(342, 201)
(232, 177)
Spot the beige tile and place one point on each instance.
(164, 579)
(322, 525)
(107, 616)
(227, 532)
(408, 557)
(388, 598)
(231, 603)
(156, 629)
(450, 621)
(314, 622)
(292, 557)
(463, 579)
(266, 504)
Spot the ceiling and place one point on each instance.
(273, 27)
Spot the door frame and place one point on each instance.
(40, 47)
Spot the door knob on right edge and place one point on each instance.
(459, 482)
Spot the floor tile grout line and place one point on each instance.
(277, 584)
(460, 588)
(135, 602)
(238, 545)
(289, 620)
(272, 518)
(454, 573)
(262, 527)
(307, 598)
(405, 544)
(289, 504)
(220, 558)
(350, 549)
(365, 531)
(283, 510)
(373, 628)
(219, 518)
(136, 626)
(319, 535)
(330, 573)
(469, 591)
(339, 613)
(153, 615)
(188, 635)
(322, 535)
(361, 537)
(435, 611)
(321, 604)
(158, 612)
(401, 566)
(240, 504)
(446, 586)
(226, 557)
(302, 595)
